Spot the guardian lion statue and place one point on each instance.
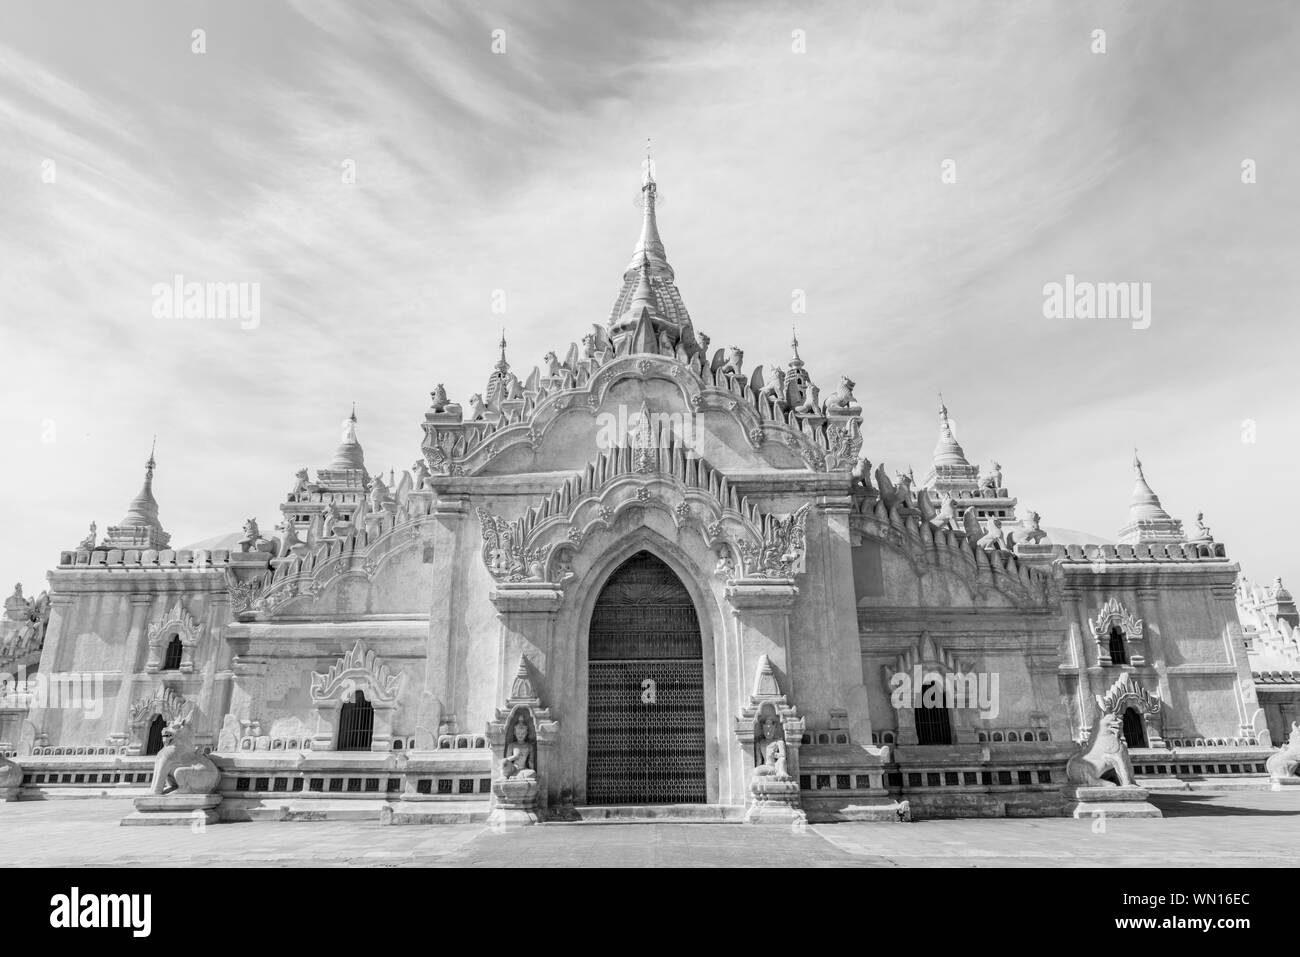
(1285, 762)
(1106, 750)
(179, 768)
(842, 402)
(1107, 753)
(255, 541)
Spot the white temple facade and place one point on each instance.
(644, 575)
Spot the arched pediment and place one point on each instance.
(358, 670)
(748, 543)
(180, 623)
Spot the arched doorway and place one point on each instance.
(356, 724)
(645, 705)
(154, 742)
(1135, 733)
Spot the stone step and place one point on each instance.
(65, 792)
(1227, 782)
(441, 812)
(650, 814)
(308, 809)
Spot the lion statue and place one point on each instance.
(735, 362)
(947, 516)
(255, 541)
(439, 397)
(554, 368)
(476, 408)
(302, 486)
(861, 474)
(1108, 752)
(842, 402)
(776, 388)
(810, 406)
(179, 768)
(1285, 762)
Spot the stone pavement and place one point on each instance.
(1240, 828)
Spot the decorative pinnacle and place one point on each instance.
(795, 361)
(502, 365)
(151, 464)
(943, 409)
(1137, 463)
(353, 416)
(647, 169)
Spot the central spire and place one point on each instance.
(649, 245)
(648, 284)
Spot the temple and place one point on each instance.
(643, 575)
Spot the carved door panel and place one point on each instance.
(645, 706)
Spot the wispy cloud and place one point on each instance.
(477, 171)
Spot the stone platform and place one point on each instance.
(1091, 802)
(1202, 829)
(174, 809)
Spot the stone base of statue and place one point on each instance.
(1285, 783)
(514, 802)
(10, 793)
(175, 809)
(1090, 802)
(774, 801)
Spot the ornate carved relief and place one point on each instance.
(1114, 615)
(358, 670)
(177, 622)
(647, 475)
(779, 552)
(164, 701)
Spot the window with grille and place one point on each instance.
(1118, 650)
(932, 724)
(175, 651)
(356, 724)
(1135, 734)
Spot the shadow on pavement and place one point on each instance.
(1223, 804)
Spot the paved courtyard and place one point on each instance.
(1240, 828)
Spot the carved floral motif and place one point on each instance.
(779, 553)
(357, 669)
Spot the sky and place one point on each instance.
(403, 180)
